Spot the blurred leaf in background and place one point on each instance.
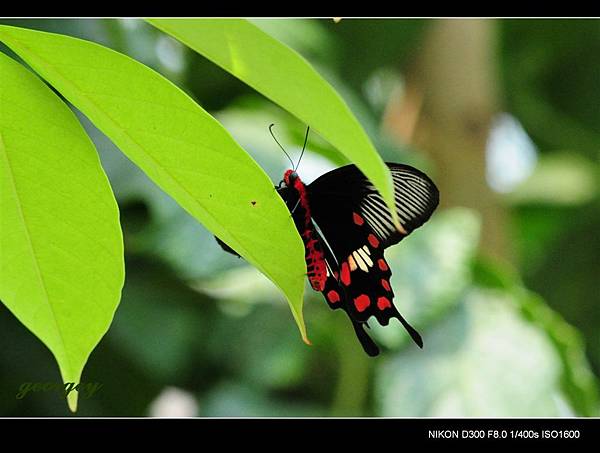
(475, 367)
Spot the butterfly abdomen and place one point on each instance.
(315, 260)
(315, 256)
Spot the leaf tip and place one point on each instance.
(305, 339)
(72, 401)
(302, 328)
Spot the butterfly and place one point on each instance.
(345, 226)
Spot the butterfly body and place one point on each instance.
(315, 257)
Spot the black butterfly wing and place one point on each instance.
(356, 226)
(346, 190)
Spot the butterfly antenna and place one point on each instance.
(276, 141)
(303, 147)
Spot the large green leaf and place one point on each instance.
(179, 146)
(61, 249)
(286, 78)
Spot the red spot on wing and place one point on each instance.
(333, 296)
(345, 275)
(362, 302)
(385, 284)
(382, 264)
(373, 240)
(383, 303)
(358, 220)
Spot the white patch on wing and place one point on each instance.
(361, 264)
(365, 257)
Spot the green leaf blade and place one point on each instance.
(182, 148)
(61, 248)
(285, 77)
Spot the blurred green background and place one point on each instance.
(503, 282)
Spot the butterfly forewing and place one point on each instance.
(416, 197)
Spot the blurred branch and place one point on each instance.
(450, 99)
(354, 370)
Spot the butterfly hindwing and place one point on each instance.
(337, 296)
(366, 276)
